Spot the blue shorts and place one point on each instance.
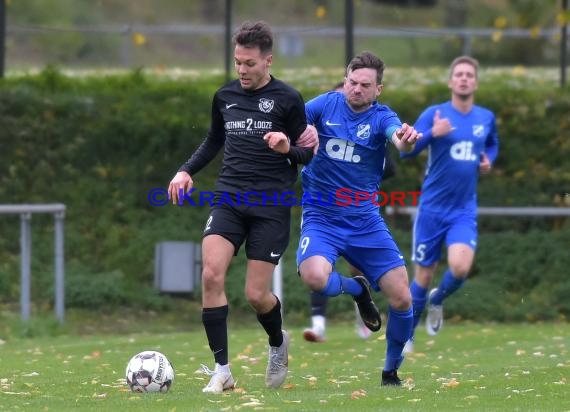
(365, 242)
(432, 229)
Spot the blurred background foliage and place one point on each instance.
(99, 144)
(164, 34)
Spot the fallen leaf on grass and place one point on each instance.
(312, 379)
(361, 393)
(252, 404)
(452, 383)
(408, 383)
(249, 398)
(337, 381)
(94, 355)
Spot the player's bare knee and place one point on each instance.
(314, 275)
(212, 279)
(315, 279)
(255, 296)
(401, 300)
(423, 275)
(460, 269)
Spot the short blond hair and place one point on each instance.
(464, 59)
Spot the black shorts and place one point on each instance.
(265, 229)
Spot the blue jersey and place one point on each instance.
(452, 170)
(350, 161)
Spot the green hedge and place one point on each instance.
(99, 144)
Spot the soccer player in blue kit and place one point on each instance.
(340, 208)
(316, 333)
(462, 142)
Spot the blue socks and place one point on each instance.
(419, 299)
(398, 331)
(448, 285)
(338, 284)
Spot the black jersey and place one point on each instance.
(240, 119)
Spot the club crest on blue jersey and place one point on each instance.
(363, 131)
(478, 130)
(265, 105)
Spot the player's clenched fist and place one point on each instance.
(407, 134)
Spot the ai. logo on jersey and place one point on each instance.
(265, 105)
(363, 131)
(340, 149)
(478, 130)
(463, 151)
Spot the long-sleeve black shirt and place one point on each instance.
(240, 119)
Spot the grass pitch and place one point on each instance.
(469, 366)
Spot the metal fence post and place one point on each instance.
(25, 211)
(25, 250)
(126, 58)
(467, 44)
(59, 268)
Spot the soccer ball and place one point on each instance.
(149, 371)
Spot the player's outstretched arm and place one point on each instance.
(405, 138)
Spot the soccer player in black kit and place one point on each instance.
(260, 122)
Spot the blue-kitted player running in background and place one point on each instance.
(462, 141)
(353, 131)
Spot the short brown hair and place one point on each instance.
(367, 60)
(257, 34)
(464, 59)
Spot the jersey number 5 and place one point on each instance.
(420, 252)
